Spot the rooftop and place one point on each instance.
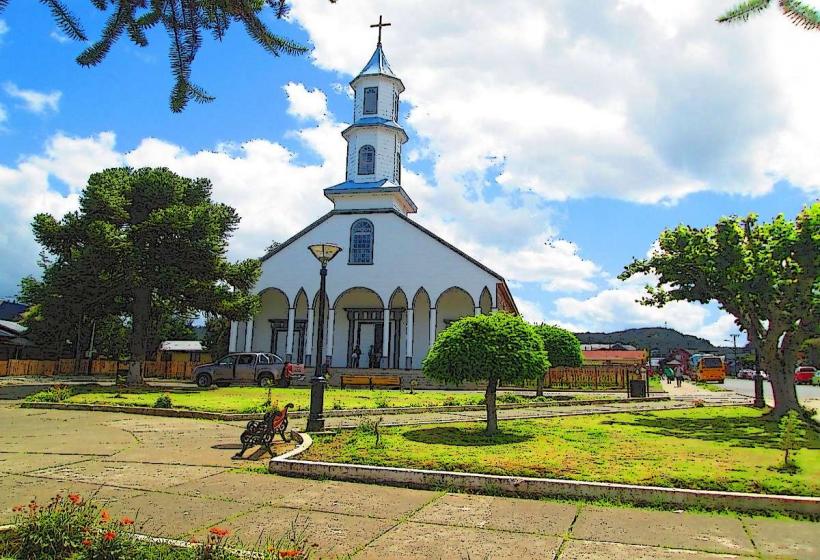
(181, 346)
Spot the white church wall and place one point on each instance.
(404, 257)
(373, 201)
(384, 107)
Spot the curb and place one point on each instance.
(202, 415)
(543, 487)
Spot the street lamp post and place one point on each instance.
(324, 252)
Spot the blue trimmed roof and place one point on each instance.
(350, 185)
(375, 121)
(377, 64)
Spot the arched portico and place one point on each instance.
(268, 330)
(453, 304)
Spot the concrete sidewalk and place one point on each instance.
(177, 477)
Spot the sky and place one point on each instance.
(551, 139)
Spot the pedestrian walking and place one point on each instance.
(678, 376)
(669, 374)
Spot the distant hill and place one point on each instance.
(662, 339)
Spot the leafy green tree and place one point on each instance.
(811, 352)
(765, 274)
(792, 435)
(496, 348)
(185, 22)
(799, 12)
(147, 244)
(217, 336)
(563, 349)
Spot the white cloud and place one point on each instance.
(3, 115)
(59, 37)
(617, 307)
(304, 103)
(637, 99)
(4, 28)
(35, 101)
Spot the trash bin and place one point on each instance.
(637, 388)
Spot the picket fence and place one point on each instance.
(50, 368)
(591, 377)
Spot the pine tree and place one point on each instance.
(792, 434)
(185, 22)
(801, 14)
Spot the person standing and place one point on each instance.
(669, 374)
(678, 376)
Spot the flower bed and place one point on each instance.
(70, 527)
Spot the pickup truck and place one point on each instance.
(261, 368)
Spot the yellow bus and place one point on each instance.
(711, 368)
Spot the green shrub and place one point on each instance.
(163, 401)
(449, 400)
(369, 426)
(792, 435)
(381, 402)
(57, 393)
(336, 405)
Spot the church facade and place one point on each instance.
(394, 286)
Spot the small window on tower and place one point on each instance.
(371, 100)
(395, 106)
(367, 160)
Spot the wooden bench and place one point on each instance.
(371, 381)
(262, 432)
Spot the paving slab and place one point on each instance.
(172, 515)
(693, 531)
(60, 432)
(592, 550)
(785, 538)
(508, 514)
(25, 462)
(421, 540)
(20, 490)
(128, 475)
(351, 498)
(251, 488)
(328, 534)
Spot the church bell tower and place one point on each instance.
(374, 139)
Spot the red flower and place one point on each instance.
(109, 536)
(219, 532)
(105, 516)
(75, 499)
(87, 543)
(289, 553)
(126, 521)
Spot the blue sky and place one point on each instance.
(552, 140)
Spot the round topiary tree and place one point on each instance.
(494, 348)
(563, 349)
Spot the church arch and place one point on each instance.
(421, 327)
(367, 160)
(453, 304)
(362, 235)
(485, 301)
(270, 324)
(359, 324)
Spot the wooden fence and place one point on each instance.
(591, 377)
(50, 368)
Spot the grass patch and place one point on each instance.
(251, 399)
(719, 448)
(711, 387)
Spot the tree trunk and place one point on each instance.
(785, 393)
(139, 335)
(489, 402)
(539, 386)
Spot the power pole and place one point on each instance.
(734, 347)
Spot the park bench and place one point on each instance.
(371, 381)
(262, 432)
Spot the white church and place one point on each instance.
(394, 285)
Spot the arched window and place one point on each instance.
(367, 160)
(361, 242)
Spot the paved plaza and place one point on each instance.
(176, 476)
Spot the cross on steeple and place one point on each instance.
(380, 25)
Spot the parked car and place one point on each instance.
(242, 368)
(750, 374)
(804, 375)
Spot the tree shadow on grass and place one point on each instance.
(463, 437)
(736, 432)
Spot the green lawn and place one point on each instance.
(719, 448)
(251, 399)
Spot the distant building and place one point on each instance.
(183, 351)
(12, 340)
(615, 357)
(614, 346)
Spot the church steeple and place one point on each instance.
(375, 138)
